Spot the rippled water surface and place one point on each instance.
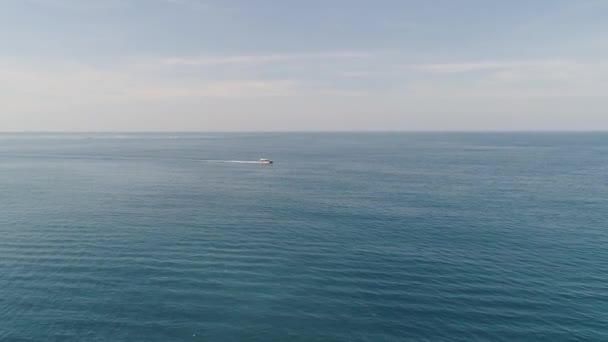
(347, 237)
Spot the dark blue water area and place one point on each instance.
(347, 237)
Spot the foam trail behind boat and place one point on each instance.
(231, 161)
(241, 161)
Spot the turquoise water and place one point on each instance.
(347, 237)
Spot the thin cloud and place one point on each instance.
(447, 68)
(80, 4)
(260, 59)
(217, 89)
(21, 82)
(516, 79)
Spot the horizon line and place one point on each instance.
(307, 131)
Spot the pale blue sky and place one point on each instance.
(210, 65)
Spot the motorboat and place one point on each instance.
(265, 161)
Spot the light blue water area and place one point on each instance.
(347, 237)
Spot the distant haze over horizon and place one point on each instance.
(220, 66)
(194, 132)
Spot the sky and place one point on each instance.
(315, 65)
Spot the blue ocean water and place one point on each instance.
(347, 237)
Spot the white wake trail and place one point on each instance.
(241, 161)
(231, 161)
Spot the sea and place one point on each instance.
(346, 237)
